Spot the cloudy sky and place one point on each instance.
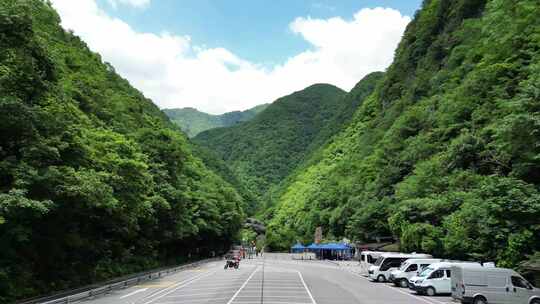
(219, 56)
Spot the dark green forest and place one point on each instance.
(445, 154)
(193, 122)
(95, 181)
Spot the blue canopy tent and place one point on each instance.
(298, 248)
(313, 246)
(331, 250)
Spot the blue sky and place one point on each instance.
(254, 30)
(221, 56)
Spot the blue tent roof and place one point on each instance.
(330, 246)
(339, 246)
(298, 246)
(313, 246)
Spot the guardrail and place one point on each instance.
(94, 290)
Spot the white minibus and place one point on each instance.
(368, 258)
(380, 270)
(410, 268)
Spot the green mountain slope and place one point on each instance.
(194, 122)
(337, 123)
(445, 154)
(264, 150)
(95, 181)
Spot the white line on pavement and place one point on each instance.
(180, 285)
(270, 288)
(279, 297)
(243, 285)
(420, 298)
(184, 295)
(215, 286)
(193, 301)
(132, 293)
(217, 289)
(307, 289)
(400, 291)
(272, 302)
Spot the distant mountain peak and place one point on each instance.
(193, 121)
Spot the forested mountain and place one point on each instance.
(264, 150)
(445, 154)
(337, 123)
(95, 181)
(193, 122)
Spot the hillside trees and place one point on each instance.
(95, 182)
(444, 154)
(193, 122)
(264, 150)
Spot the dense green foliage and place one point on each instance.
(264, 150)
(212, 161)
(94, 179)
(337, 123)
(445, 154)
(193, 122)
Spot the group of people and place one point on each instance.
(252, 251)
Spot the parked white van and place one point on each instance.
(483, 285)
(409, 269)
(368, 258)
(380, 271)
(435, 279)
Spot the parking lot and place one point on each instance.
(274, 279)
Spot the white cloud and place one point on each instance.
(175, 73)
(134, 3)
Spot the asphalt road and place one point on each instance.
(274, 279)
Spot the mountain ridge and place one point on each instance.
(193, 121)
(247, 147)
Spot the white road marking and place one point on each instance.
(180, 285)
(243, 285)
(193, 300)
(307, 289)
(184, 295)
(132, 293)
(217, 289)
(207, 285)
(400, 291)
(416, 297)
(265, 296)
(271, 302)
(169, 287)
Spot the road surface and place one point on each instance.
(274, 279)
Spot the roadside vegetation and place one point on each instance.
(95, 182)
